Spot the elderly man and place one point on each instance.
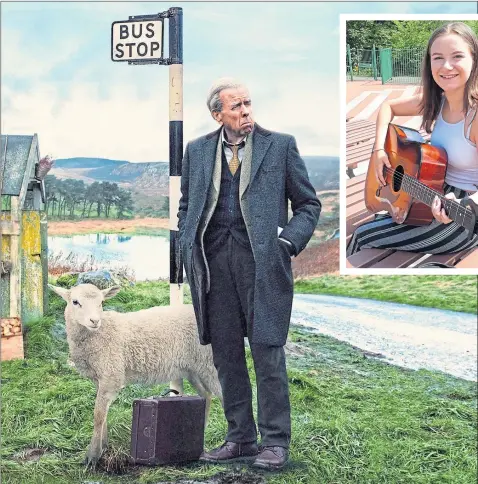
(237, 242)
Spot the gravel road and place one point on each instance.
(408, 336)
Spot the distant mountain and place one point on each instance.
(87, 163)
(323, 172)
(154, 176)
(136, 176)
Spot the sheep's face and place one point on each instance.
(85, 304)
(86, 307)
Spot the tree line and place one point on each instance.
(67, 198)
(398, 34)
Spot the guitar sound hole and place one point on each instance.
(397, 178)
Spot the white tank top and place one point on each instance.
(462, 170)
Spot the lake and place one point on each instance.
(146, 255)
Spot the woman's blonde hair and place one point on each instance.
(432, 93)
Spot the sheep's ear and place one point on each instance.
(110, 292)
(61, 291)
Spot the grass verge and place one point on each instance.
(354, 419)
(455, 293)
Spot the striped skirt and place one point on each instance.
(436, 238)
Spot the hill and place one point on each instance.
(144, 177)
(323, 172)
(154, 176)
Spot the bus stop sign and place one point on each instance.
(137, 40)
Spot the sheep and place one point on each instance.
(114, 349)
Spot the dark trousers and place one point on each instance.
(230, 313)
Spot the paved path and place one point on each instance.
(365, 97)
(408, 336)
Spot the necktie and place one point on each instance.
(234, 163)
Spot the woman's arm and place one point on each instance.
(409, 106)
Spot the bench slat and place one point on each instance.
(354, 199)
(358, 218)
(400, 258)
(367, 257)
(449, 259)
(356, 180)
(360, 138)
(360, 149)
(356, 124)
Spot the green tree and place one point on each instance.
(362, 34)
(124, 203)
(110, 196)
(76, 194)
(413, 33)
(52, 195)
(93, 195)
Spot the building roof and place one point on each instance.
(18, 156)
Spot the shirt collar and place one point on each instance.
(225, 142)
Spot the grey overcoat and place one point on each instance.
(270, 176)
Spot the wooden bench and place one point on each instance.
(360, 136)
(357, 214)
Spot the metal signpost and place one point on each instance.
(139, 40)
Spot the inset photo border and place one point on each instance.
(387, 118)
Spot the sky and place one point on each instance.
(58, 79)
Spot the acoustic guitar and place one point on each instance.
(415, 179)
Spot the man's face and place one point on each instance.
(236, 114)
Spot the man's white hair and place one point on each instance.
(214, 103)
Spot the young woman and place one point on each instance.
(448, 104)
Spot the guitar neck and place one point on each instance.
(459, 214)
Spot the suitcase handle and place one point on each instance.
(167, 392)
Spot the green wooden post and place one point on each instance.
(386, 69)
(349, 58)
(374, 62)
(44, 257)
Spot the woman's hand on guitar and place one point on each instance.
(380, 160)
(439, 212)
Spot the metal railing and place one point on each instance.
(393, 66)
(406, 65)
(362, 63)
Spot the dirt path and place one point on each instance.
(68, 227)
(408, 336)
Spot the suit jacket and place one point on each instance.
(272, 173)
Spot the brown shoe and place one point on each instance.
(272, 458)
(231, 452)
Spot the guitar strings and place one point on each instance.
(460, 210)
(463, 211)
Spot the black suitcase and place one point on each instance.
(167, 430)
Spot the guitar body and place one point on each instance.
(409, 155)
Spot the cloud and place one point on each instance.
(120, 127)
(24, 60)
(307, 106)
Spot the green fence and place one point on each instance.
(386, 65)
(393, 66)
(406, 65)
(362, 63)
